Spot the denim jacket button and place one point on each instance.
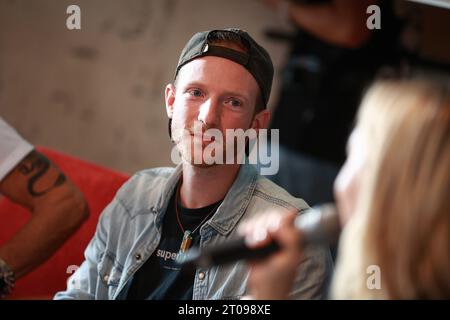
(201, 275)
(106, 277)
(138, 256)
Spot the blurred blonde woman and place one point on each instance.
(393, 195)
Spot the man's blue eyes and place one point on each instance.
(195, 93)
(235, 103)
(198, 94)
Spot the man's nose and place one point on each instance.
(210, 113)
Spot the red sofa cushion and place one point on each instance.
(99, 186)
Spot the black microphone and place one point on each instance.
(318, 226)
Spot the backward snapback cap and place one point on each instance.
(257, 61)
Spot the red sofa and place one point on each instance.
(99, 186)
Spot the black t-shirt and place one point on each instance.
(160, 278)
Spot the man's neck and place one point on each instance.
(204, 186)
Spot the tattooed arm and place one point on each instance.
(58, 208)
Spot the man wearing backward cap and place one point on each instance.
(222, 83)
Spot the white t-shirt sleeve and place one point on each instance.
(13, 148)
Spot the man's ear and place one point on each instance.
(261, 120)
(170, 99)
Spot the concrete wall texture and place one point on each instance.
(97, 93)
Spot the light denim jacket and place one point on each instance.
(129, 231)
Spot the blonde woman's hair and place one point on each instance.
(402, 219)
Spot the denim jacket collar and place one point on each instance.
(233, 205)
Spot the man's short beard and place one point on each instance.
(189, 156)
(219, 151)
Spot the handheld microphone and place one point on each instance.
(318, 226)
